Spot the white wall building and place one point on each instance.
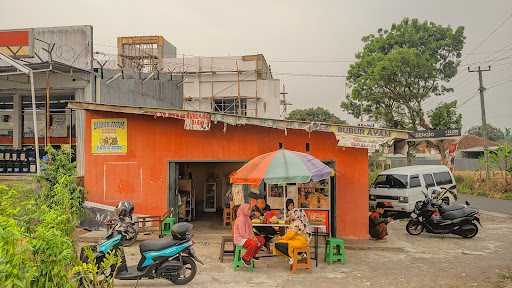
(234, 84)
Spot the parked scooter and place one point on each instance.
(170, 259)
(437, 218)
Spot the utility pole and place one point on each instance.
(484, 122)
(284, 112)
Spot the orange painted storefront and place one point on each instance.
(142, 174)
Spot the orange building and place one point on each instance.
(155, 149)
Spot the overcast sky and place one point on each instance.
(306, 37)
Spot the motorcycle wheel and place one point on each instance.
(187, 273)
(414, 227)
(470, 232)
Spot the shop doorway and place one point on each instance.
(197, 189)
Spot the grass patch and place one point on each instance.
(23, 186)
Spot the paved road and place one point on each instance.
(488, 204)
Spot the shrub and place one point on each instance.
(92, 275)
(36, 248)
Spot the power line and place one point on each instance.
(468, 99)
(492, 32)
(496, 84)
(312, 75)
(312, 61)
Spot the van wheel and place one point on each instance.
(446, 201)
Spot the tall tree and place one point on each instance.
(444, 116)
(317, 114)
(493, 133)
(398, 69)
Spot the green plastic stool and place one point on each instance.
(237, 259)
(167, 224)
(335, 251)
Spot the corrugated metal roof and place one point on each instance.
(235, 119)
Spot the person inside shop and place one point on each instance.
(297, 235)
(261, 210)
(244, 235)
(378, 224)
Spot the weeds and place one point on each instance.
(36, 248)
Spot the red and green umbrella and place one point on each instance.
(280, 167)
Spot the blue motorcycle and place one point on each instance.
(171, 259)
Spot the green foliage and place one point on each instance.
(501, 158)
(36, 248)
(317, 114)
(398, 69)
(508, 134)
(92, 276)
(465, 184)
(59, 189)
(445, 116)
(14, 252)
(493, 133)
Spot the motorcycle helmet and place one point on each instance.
(125, 209)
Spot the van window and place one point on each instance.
(443, 178)
(414, 181)
(429, 181)
(391, 181)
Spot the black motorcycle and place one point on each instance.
(438, 218)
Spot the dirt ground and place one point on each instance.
(401, 261)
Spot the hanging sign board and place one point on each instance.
(362, 137)
(109, 136)
(193, 120)
(435, 133)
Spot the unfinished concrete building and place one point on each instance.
(241, 85)
(143, 53)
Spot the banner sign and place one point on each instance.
(362, 137)
(318, 218)
(436, 133)
(193, 120)
(109, 136)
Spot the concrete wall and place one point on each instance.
(169, 50)
(461, 164)
(142, 174)
(73, 44)
(164, 92)
(270, 104)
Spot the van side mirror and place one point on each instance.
(452, 187)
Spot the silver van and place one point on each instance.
(400, 188)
